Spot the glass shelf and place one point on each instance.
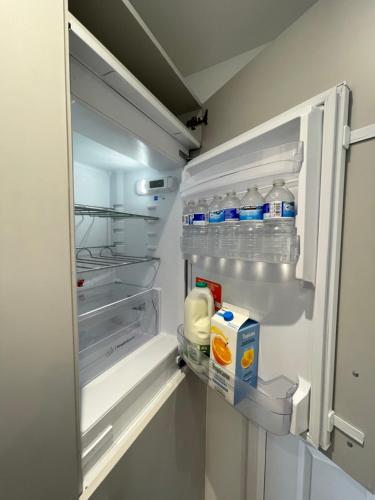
(109, 213)
(269, 404)
(270, 248)
(111, 332)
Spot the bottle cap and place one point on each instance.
(201, 284)
(228, 316)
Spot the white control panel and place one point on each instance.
(156, 186)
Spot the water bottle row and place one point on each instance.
(252, 228)
(277, 207)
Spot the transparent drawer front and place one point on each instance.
(111, 332)
(269, 404)
(90, 299)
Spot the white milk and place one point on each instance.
(199, 308)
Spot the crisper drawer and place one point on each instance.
(111, 332)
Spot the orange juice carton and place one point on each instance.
(234, 343)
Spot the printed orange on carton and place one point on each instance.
(233, 351)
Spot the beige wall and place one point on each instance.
(38, 424)
(332, 42)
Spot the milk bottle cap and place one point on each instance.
(201, 284)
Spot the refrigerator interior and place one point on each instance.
(117, 257)
(128, 299)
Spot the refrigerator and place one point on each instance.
(133, 172)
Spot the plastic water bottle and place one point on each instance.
(251, 209)
(187, 220)
(251, 224)
(215, 211)
(229, 228)
(280, 242)
(279, 208)
(200, 223)
(231, 207)
(200, 217)
(215, 217)
(185, 217)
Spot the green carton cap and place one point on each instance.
(201, 284)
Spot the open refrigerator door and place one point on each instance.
(287, 280)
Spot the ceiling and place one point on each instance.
(197, 34)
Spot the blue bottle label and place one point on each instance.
(279, 210)
(185, 220)
(200, 219)
(231, 214)
(289, 209)
(251, 212)
(216, 217)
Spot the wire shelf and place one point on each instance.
(109, 213)
(98, 258)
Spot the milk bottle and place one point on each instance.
(199, 308)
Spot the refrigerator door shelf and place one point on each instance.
(269, 248)
(269, 404)
(246, 165)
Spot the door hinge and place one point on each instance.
(188, 156)
(184, 156)
(348, 429)
(195, 121)
(346, 137)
